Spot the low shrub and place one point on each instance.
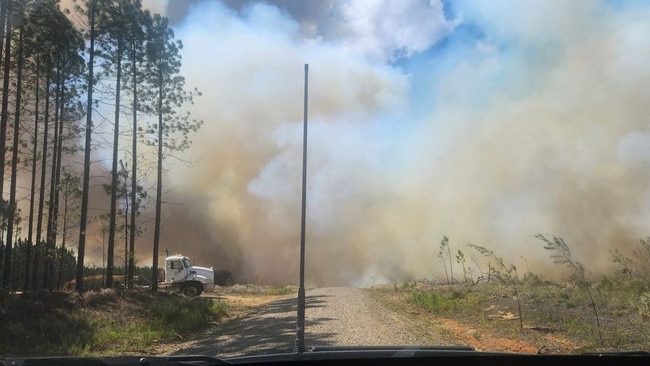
(180, 315)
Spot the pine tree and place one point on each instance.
(89, 9)
(172, 130)
(11, 212)
(115, 19)
(4, 117)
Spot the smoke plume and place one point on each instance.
(487, 122)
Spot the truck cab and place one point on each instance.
(193, 280)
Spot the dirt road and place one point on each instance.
(334, 316)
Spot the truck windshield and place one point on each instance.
(186, 263)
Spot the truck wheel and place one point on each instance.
(193, 290)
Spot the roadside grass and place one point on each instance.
(281, 290)
(257, 290)
(458, 301)
(106, 322)
(550, 311)
(177, 314)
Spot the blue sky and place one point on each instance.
(486, 121)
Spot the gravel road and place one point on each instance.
(334, 316)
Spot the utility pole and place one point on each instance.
(300, 327)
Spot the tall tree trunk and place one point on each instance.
(134, 171)
(50, 242)
(57, 179)
(4, 116)
(65, 223)
(114, 173)
(14, 152)
(451, 268)
(32, 191)
(156, 236)
(86, 174)
(41, 197)
(126, 236)
(4, 4)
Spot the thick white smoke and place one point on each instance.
(487, 124)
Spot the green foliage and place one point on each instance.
(409, 286)
(642, 257)
(642, 305)
(179, 315)
(41, 324)
(505, 274)
(165, 317)
(442, 254)
(429, 300)
(563, 309)
(47, 323)
(449, 301)
(280, 290)
(62, 258)
(557, 309)
(460, 259)
(626, 264)
(561, 253)
(113, 336)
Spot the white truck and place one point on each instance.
(180, 275)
